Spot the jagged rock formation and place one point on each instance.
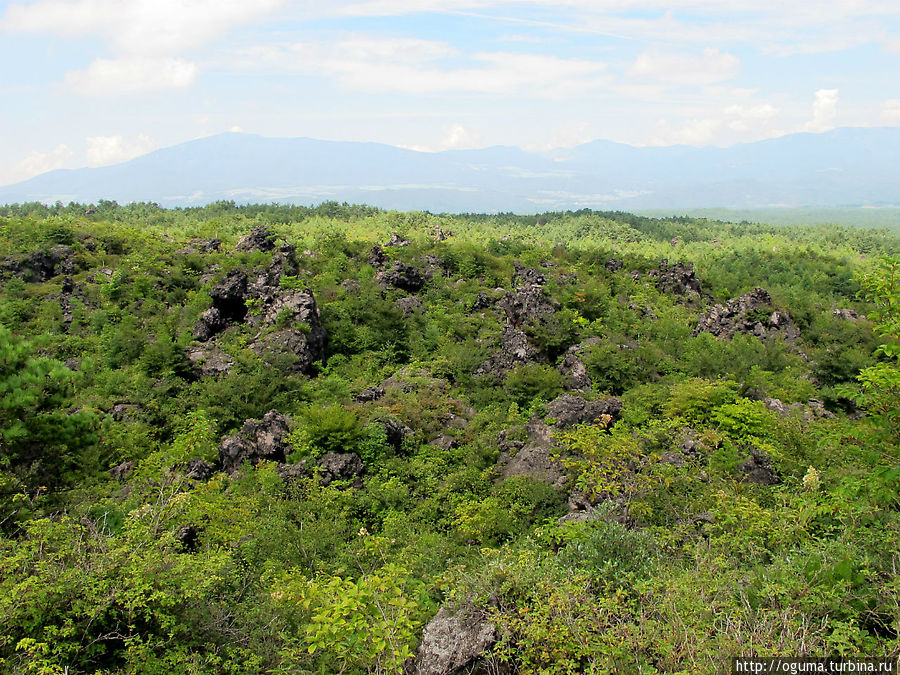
(533, 457)
(42, 266)
(292, 313)
(614, 265)
(678, 279)
(369, 394)
(330, 468)
(209, 361)
(758, 469)
(809, 411)
(198, 245)
(572, 366)
(752, 314)
(405, 277)
(453, 641)
(260, 239)
(397, 240)
(264, 439)
(515, 350)
(198, 469)
(847, 315)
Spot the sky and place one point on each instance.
(96, 82)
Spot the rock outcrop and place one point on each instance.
(752, 314)
(809, 411)
(207, 361)
(515, 350)
(340, 466)
(42, 266)
(264, 439)
(453, 642)
(678, 279)
(405, 277)
(573, 369)
(260, 239)
(758, 469)
(534, 457)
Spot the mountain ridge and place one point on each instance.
(851, 166)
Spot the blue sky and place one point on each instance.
(94, 82)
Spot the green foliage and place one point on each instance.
(672, 560)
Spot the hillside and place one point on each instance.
(275, 439)
(848, 167)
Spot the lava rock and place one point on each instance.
(369, 394)
(569, 410)
(515, 350)
(260, 239)
(122, 471)
(454, 640)
(572, 366)
(188, 536)
(395, 430)
(340, 466)
(410, 305)
(397, 240)
(752, 314)
(209, 362)
(405, 277)
(758, 469)
(257, 440)
(613, 265)
(529, 304)
(679, 279)
(198, 469)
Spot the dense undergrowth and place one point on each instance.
(677, 561)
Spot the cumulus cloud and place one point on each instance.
(103, 150)
(686, 69)
(41, 162)
(824, 111)
(149, 36)
(456, 137)
(420, 67)
(129, 75)
(137, 26)
(733, 123)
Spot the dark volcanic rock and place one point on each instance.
(847, 315)
(409, 305)
(377, 258)
(260, 239)
(307, 347)
(453, 642)
(397, 240)
(679, 279)
(515, 350)
(614, 265)
(198, 245)
(188, 536)
(198, 469)
(573, 368)
(812, 410)
(527, 276)
(369, 394)
(758, 469)
(209, 362)
(751, 313)
(211, 323)
(229, 296)
(529, 304)
(482, 301)
(43, 265)
(340, 466)
(405, 277)
(570, 410)
(257, 440)
(395, 430)
(122, 471)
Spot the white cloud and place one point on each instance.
(41, 162)
(890, 112)
(420, 67)
(132, 74)
(137, 26)
(824, 111)
(745, 118)
(103, 150)
(685, 69)
(456, 137)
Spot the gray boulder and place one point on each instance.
(752, 314)
(569, 410)
(260, 239)
(264, 439)
(453, 642)
(405, 277)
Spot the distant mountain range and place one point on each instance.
(845, 167)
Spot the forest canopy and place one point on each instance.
(338, 439)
